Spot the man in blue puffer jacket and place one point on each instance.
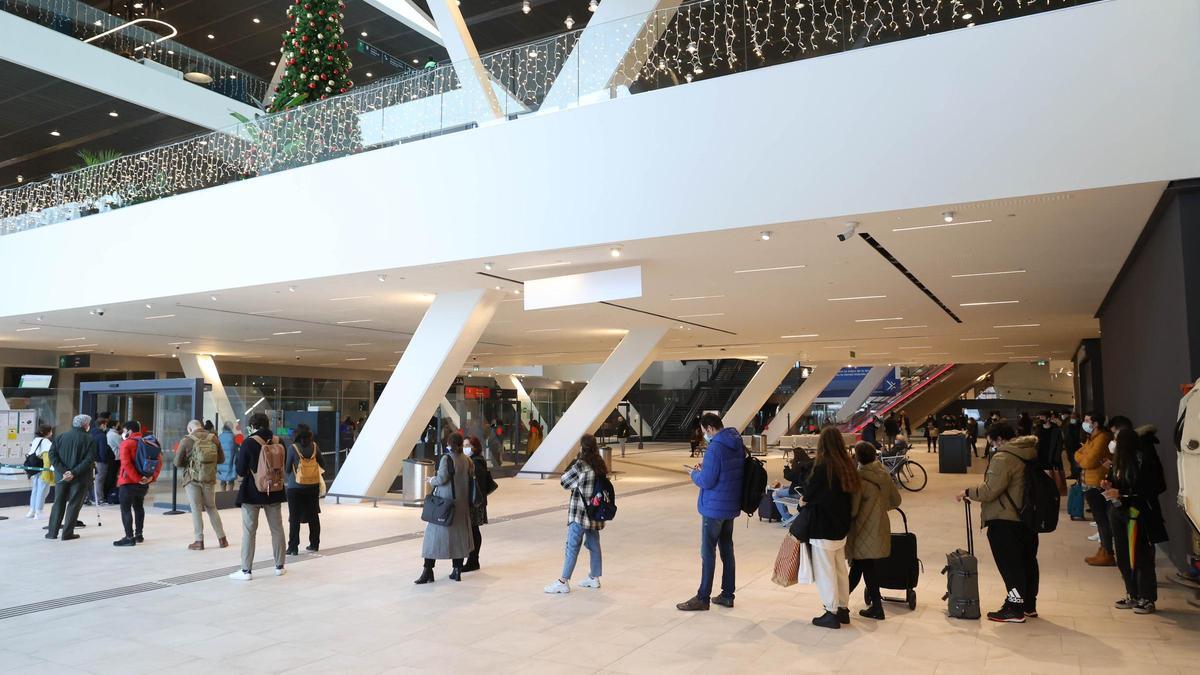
(720, 481)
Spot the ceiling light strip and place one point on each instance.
(907, 274)
(857, 297)
(770, 269)
(985, 274)
(931, 227)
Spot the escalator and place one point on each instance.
(934, 387)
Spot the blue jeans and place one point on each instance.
(577, 535)
(716, 534)
(783, 493)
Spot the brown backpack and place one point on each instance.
(268, 476)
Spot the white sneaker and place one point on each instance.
(590, 582)
(37, 516)
(559, 587)
(240, 575)
(1093, 524)
(1094, 537)
(31, 514)
(279, 571)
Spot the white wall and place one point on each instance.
(1031, 382)
(1041, 104)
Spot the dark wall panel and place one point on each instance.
(1147, 328)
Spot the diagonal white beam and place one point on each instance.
(465, 57)
(46, 51)
(441, 344)
(613, 379)
(758, 390)
(818, 378)
(863, 391)
(409, 14)
(620, 32)
(203, 366)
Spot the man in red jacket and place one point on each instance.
(132, 486)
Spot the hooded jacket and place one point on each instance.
(1002, 492)
(871, 531)
(1091, 457)
(720, 476)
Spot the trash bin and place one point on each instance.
(606, 455)
(416, 480)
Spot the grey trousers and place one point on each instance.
(274, 513)
(204, 498)
(98, 482)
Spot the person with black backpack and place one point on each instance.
(140, 467)
(587, 476)
(1004, 511)
(39, 458)
(719, 478)
(303, 470)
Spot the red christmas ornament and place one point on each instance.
(302, 51)
(342, 90)
(312, 85)
(328, 58)
(321, 12)
(304, 69)
(304, 38)
(324, 76)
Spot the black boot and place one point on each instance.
(472, 564)
(843, 615)
(426, 576)
(456, 575)
(293, 550)
(874, 611)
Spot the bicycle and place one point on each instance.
(908, 474)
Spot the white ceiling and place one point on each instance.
(1070, 245)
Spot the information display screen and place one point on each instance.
(35, 381)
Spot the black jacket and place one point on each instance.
(798, 472)
(74, 451)
(247, 462)
(1049, 447)
(830, 504)
(1142, 487)
(104, 454)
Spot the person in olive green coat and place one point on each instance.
(72, 457)
(870, 537)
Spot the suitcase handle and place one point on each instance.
(970, 530)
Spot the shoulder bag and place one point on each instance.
(437, 509)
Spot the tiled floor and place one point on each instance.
(359, 611)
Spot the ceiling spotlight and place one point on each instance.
(967, 16)
(593, 5)
(765, 235)
(213, 298)
(291, 289)
(526, 7)
(517, 292)
(382, 278)
(948, 216)
(256, 20)
(20, 178)
(497, 288)
(113, 113)
(212, 37)
(615, 251)
(148, 306)
(273, 63)
(55, 133)
(569, 22)
(370, 74)
(487, 266)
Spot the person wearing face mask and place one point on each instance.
(1072, 441)
(1132, 490)
(483, 486)
(453, 541)
(1094, 459)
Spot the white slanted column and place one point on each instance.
(614, 378)
(620, 32)
(863, 390)
(474, 77)
(203, 366)
(529, 409)
(758, 390)
(818, 378)
(441, 344)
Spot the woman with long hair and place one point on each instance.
(1132, 489)
(484, 485)
(302, 471)
(453, 541)
(580, 479)
(831, 483)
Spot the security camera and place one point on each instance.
(297, 358)
(99, 311)
(848, 231)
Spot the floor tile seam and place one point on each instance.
(206, 575)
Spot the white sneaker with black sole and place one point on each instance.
(557, 587)
(590, 582)
(240, 575)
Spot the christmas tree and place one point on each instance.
(314, 53)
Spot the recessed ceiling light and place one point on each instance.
(291, 289)
(985, 274)
(487, 267)
(857, 297)
(697, 297)
(806, 335)
(538, 267)
(159, 316)
(1018, 325)
(55, 133)
(526, 7)
(256, 20)
(948, 216)
(967, 16)
(364, 33)
(381, 278)
(287, 332)
(357, 358)
(765, 235)
(931, 227)
(977, 339)
(370, 74)
(615, 251)
(889, 318)
(211, 36)
(416, 61)
(349, 297)
(920, 325)
(770, 269)
(569, 22)
(989, 302)
(273, 63)
(213, 298)
(113, 113)
(148, 305)
(22, 330)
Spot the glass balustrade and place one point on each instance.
(669, 47)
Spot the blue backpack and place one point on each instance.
(601, 505)
(148, 457)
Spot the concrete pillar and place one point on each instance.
(798, 404)
(203, 367)
(614, 378)
(447, 334)
(863, 391)
(465, 57)
(758, 390)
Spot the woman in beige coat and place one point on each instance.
(870, 536)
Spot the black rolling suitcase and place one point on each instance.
(902, 569)
(962, 577)
(766, 508)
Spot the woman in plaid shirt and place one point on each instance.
(580, 479)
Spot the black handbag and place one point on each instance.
(440, 510)
(800, 524)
